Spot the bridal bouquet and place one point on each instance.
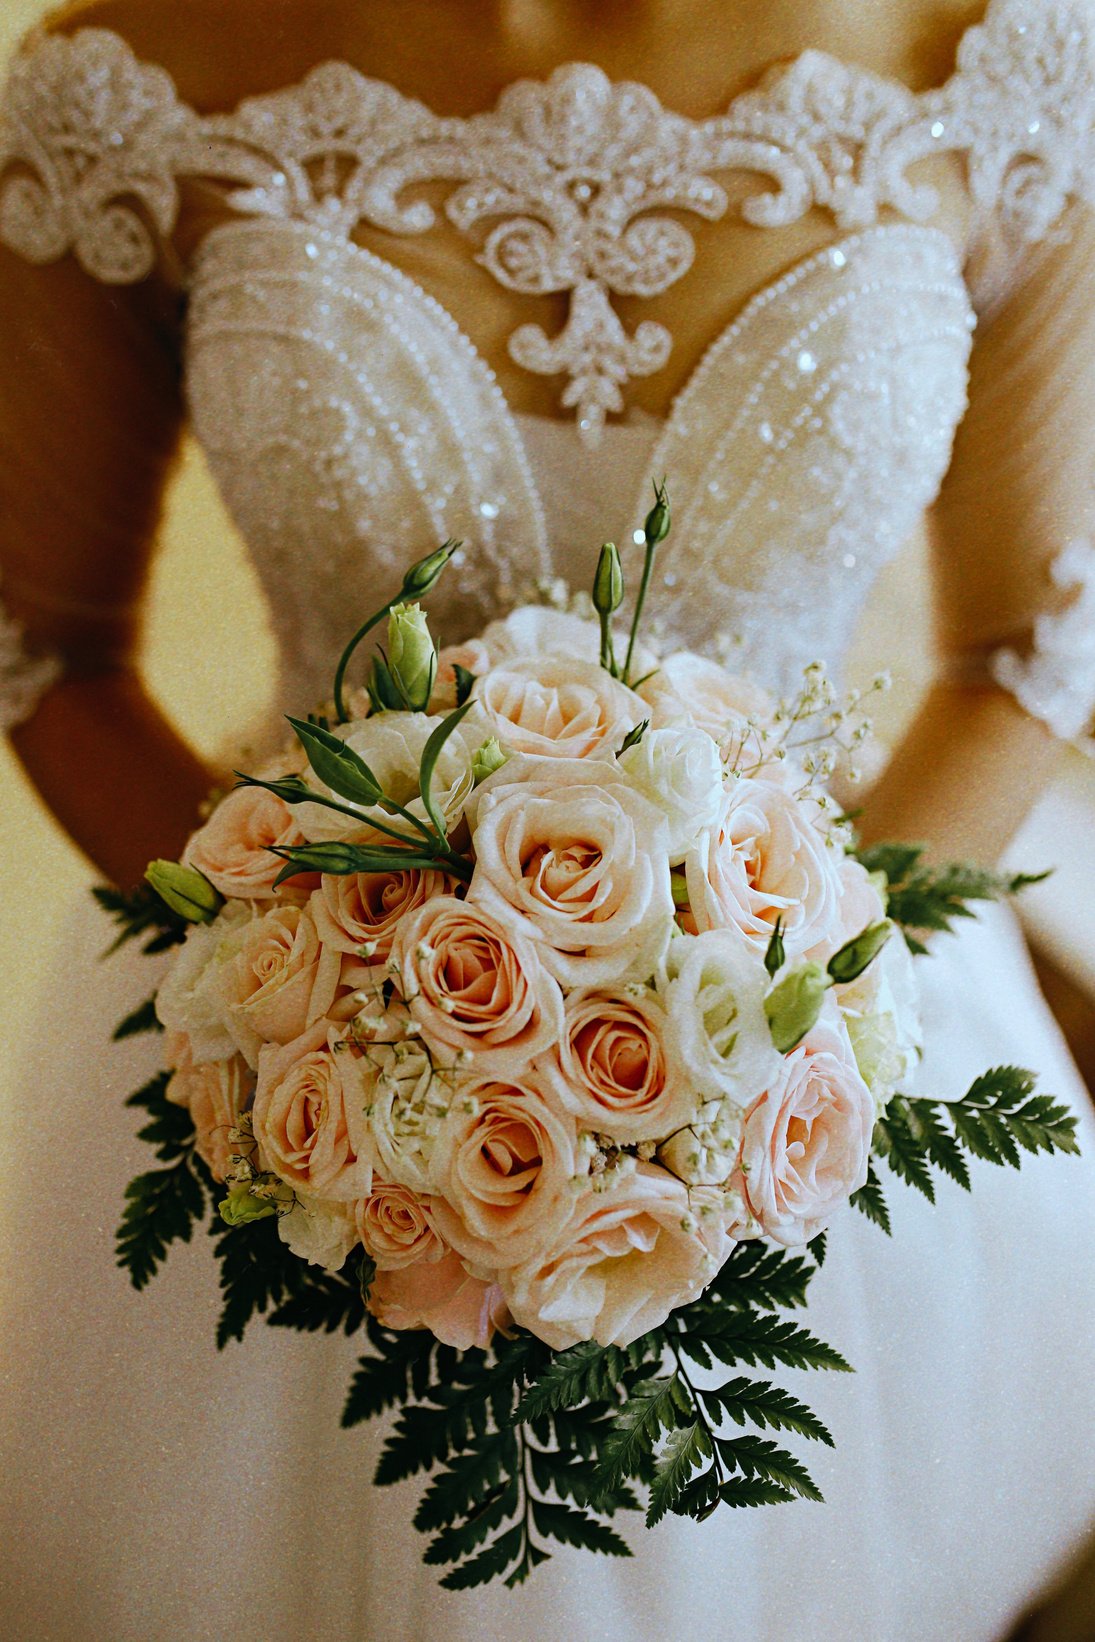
(534, 1014)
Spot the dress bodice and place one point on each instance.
(351, 424)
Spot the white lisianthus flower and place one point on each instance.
(193, 997)
(881, 1010)
(392, 745)
(323, 1233)
(717, 1034)
(678, 769)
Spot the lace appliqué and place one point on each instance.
(24, 678)
(565, 184)
(1056, 681)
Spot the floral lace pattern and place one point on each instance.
(1056, 681)
(568, 180)
(24, 678)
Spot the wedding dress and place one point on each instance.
(155, 1489)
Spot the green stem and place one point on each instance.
(344, 660)
(701, 1417)
(644, 587)
(608, 653)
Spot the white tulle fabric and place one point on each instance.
(349, 421)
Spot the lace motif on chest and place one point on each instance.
(565, 184)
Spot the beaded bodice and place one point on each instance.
(350, 423)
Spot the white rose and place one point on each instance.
(320, 1232)
(689, 689)
(392, 745)
(193, 997)
(717, 1033)
(537, 630)
(679, 770)
(555, 707)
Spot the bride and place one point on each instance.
(420, 269)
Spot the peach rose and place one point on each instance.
(765, 859)
(806, 1142)
(233, 848)
(461, 1310)
(502, 1169)
(688, 689)
(610, 1068)
(309, 1115)
(576, 859)
(556, 707)
(281, 980)
(362, 910)
(626, 1258)
(473, 657)
(214, 1092)
(473, 984)
(395, 1227)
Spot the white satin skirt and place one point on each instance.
(155, 1488)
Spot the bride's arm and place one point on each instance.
(89, 421)
(1020, 489)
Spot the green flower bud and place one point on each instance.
(776, 955)
(239, 1208)
(678, 883)
(412, 659)
(794, 1004)
(856, 955)
(488, 758)
(608, 584)
(422, 577)
(658, 520)
(185, 891)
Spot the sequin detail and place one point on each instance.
(1056, 681)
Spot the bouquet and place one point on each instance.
(533, 1015)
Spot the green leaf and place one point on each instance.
(327, 1301)
(258, 1272)
(431, 752)
(752, 1338)
(683, 1453)
(489, 1564)
(570, 1527)
(465, 683)
(140, 912)
(869, 1199)
(751, 1491)
(760, 1457)
(654, 1406)
(162, 1207)
(337, 765)
(142, 1019)
(633, 737)
(759, 1402)
(340, 860)
(924, 898)
(486, 1514)
(940, 1145)
(758, 1275)
(585, 1371)
(902, 1150)
(383, 1380)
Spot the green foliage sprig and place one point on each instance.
(163, 1205)
(923, 898)
(141, 916)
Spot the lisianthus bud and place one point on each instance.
(776, 955)
(185, 890)
(412, 659)
(794, 1004)
(488, 758)
(608, 584)
(854, 957)
(422, 577)
(239, 1208)
(656, 528)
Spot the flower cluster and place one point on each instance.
(624, 1005)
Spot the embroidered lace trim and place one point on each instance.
(568, 179)
(1056, 681)
(24, 678)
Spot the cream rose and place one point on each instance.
(688, 689)
(556, 707)
(360, 912)
(461, 1310)
(502, 1168)
(406, 1102)
(233, 848)
(475, 985)
(717, 1033)
(192, 998)
(538, 630)
(611, 1070)
(577, 860)
(309, 1115)
(281, 979)
(392, 745)
(625, 1259)
(214, 1092)
(765, 859)
(320, 1232)
(807, 1140)
(678, 769)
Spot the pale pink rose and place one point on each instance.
(626, 1258)
(861, 905)
(461, 1310)
(364, 909)
(610, 1069)
(395, 1226)
(473, 657)
(557, 707)
(473, 984)
(539, 630)
(765, 859)
(233, 848)
(806, 1142)
(502, 1167)
(280, 981)
(576, 859)
(214, 1092)
(309, 1115)
(688, 689)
